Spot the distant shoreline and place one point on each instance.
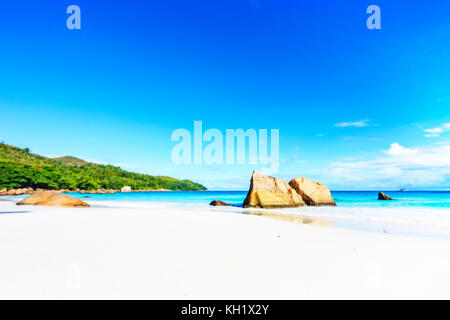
(29, 191)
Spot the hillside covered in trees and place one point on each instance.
(19, 168)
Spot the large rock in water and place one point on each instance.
(52, 198)
(270, 192)
(383, 196)
(313, 193)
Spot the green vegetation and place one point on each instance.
(21, 169)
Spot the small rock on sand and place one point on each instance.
(218, 203)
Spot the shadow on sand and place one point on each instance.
(297, 218)
(12, 212)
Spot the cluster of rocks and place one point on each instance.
(99, 191)
(111, 191)
(16, 192)
(270, 192)
(22, 191)
(155, 190)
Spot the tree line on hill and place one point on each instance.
(19, 168)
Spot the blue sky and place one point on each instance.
(356, 108)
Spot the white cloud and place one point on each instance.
(355, 124)
(436, 132)
(391, 171)
(397, 150)
(438, 100)
(401, 167)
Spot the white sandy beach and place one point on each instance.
(164, 252)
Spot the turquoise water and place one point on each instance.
(437, 199)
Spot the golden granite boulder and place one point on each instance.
(270, 192)
(313, 193)
(52, 198)
(383, 196)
